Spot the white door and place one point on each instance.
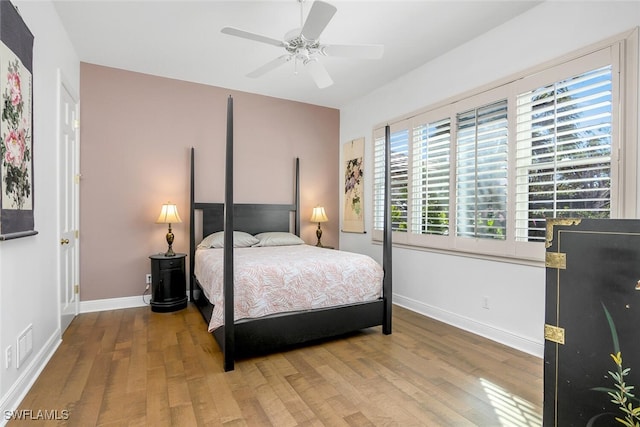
(69, 179)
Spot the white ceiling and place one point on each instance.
(181, 39)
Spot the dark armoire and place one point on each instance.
(592, 323)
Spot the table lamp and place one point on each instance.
(319, 216)
(169, 215)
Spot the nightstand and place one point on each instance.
(168, 283)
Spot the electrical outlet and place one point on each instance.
(147, 280)
(485, 303)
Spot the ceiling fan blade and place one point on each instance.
(362, 51)
(318, 18)
(318, 73)
(271, 65)
(251, 36)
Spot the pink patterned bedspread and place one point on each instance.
(279, 279)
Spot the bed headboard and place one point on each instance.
(250, 218)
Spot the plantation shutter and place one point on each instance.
(399, 179)
(564, 140)
(431, 177)
(481, 172)
(378, 181)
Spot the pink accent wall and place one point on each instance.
(136, 133)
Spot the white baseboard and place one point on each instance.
(113, 304)
(25, 381)
(507, 338)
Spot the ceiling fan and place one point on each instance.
(302, 45)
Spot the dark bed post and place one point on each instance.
(297, 197)
(192, 231)
(387, 242)
(229, 318)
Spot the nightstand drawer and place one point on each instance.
(170, 263)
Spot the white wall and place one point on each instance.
(28, 266)
(448, 287)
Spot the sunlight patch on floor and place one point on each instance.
(511, 410)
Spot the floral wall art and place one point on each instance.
(16, 125)
(353, 212)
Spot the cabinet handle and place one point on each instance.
(64, 241)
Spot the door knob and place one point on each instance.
(64, 241)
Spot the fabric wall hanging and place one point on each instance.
(353, 211)
(16, 125)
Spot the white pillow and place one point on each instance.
(240, 240)
(278, 238)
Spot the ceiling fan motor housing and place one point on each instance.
(297, 45)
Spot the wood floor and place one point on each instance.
(138, 368)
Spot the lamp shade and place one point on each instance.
(319, 215)
(169, 215)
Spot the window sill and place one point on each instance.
(487, 257)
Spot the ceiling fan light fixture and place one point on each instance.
(303, 44)
(304, 55)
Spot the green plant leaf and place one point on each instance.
(612, 327)
(603, 389)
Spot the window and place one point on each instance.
(564, 152)
(482, 173)
(431, 178)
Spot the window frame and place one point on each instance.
(621, 52)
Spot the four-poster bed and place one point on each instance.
(239, 337)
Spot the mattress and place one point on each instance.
(279, 279)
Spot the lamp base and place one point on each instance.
(170, 242)
(319, 236)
